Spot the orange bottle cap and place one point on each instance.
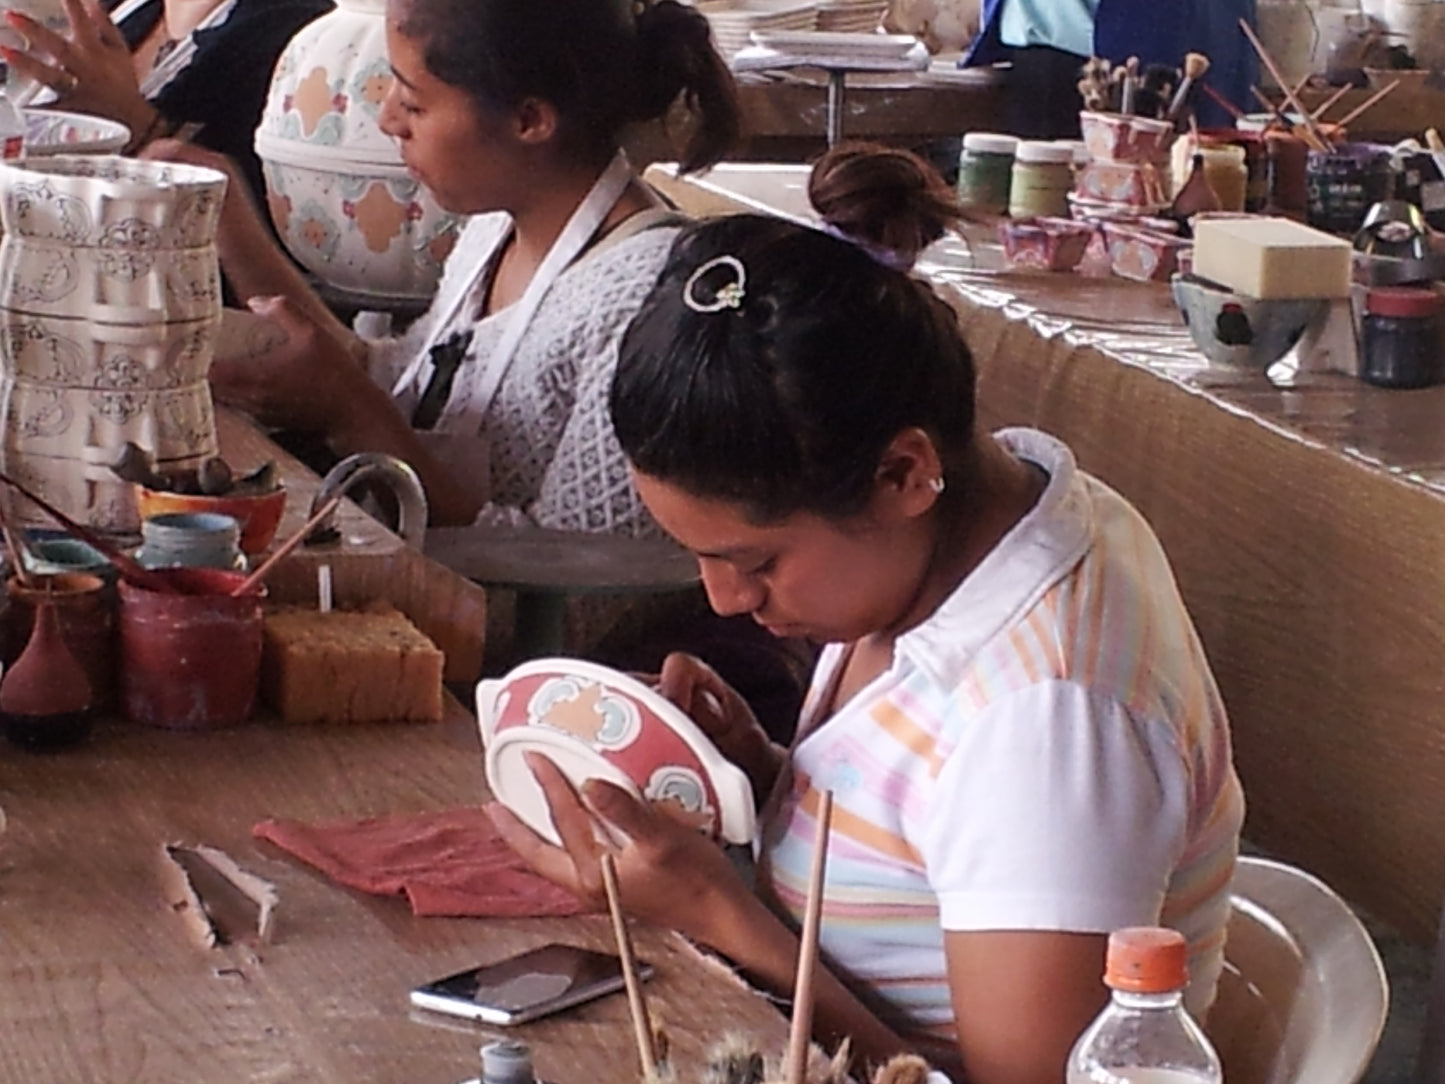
(1146, 960)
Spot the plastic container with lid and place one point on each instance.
(1144, 1035)
(1043, 174)
(985, 170)
(1401, 345)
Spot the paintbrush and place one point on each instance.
(1223, 102)
(285, 548)
(636, 1004)
(16, 548)
(801, 1034)
(131, 569)
(1315, 138)
(1195, 65)
(1366, 104)
(1328, 103)
(1128, 86)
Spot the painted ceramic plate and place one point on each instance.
(513, 784)
(605, 724)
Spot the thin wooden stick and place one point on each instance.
(1329, 102)
(1223, 102)
(285, 548)
(1278, 110)
(1366, 104)
(801, 1035)
(641, 1022)
(133, 571)
(17, 550)
(1291, 96)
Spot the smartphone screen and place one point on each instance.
(527, 986)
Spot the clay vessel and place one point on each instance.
(190, 661)
(45, 698)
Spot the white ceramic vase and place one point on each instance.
(110, 303)
(338, 193)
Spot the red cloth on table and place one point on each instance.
(447, 863)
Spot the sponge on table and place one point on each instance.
(1272, 258)
(349, 666)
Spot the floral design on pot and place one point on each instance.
(86, 354)
(329, 166)
(77, 198)
(594, 722)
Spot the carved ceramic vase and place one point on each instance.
(338, 193)
(110, 299)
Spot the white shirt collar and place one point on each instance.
(1035, 554)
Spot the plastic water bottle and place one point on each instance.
(506, 1061)
(1144, 1035)
(12, 124)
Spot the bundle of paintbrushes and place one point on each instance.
(1156, 91)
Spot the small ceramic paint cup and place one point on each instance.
(190, 661)
(191, 540)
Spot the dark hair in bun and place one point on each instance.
(883, 197)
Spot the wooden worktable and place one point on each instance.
(100, 982)
(785, 118)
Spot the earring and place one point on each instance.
(938, 485)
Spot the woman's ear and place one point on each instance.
(535, 121)
(910, 472)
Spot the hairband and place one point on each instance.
(727, 296)
(881, 254)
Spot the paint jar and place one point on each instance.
(49, 551)
(1344, 183)
(190, 661)
(85, 609)
(1286, 158)
(1039, 183)
(1401, 343)
(985, 171)
(191, 540)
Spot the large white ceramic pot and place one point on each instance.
(109, 308)
(338, 193)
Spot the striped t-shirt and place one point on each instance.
(1048, 751)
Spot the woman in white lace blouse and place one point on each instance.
(508, 111)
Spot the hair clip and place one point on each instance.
(727, 296)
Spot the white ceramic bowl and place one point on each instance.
(139, 286)
(597, 723)
(91, 354)
(367, 228)
(107, 201)
(52, 131)
(1235, 330)
(91, 424)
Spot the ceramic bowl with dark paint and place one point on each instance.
(1246, 332)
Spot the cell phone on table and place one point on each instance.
(527, 986)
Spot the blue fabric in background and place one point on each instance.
(1161, 32)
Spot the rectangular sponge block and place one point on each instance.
(1271, 258)
(349, 666)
